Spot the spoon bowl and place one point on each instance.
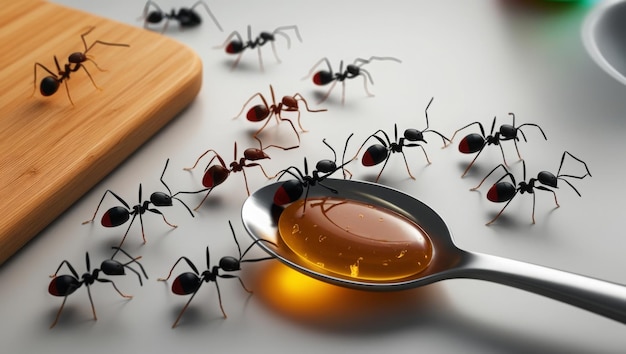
(260, 218)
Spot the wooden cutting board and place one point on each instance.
(52, 152)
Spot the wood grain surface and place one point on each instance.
(53, 151)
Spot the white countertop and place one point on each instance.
(478, 59)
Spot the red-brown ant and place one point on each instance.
(291, 190)
(503, 191)
(190, 282)
(186, 17)
(49, 85)
(237, 46)
(118, 215)
(325, 77)
(214, 175)
(378, 153)
(475, 143)
(263, 112)
(65, 285)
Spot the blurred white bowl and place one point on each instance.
(604, 37)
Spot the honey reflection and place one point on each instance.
(309, 301)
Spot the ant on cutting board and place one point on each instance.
(49, 85)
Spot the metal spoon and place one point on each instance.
(260, 218)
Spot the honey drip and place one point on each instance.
(355, 239)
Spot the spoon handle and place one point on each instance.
(602, 297)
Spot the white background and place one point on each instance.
(478, 59)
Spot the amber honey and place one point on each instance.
(355, 239)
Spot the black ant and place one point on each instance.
(377, 153)
(189, 283)
(263, 112)
(214, 175)
(49, 85)
(187, 17)
(65, 285)
(291, 190)
(119, 215)
(237, 46)
(475, 143)
(324, 77)
(503, 191)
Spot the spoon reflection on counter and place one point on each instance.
(446, 261)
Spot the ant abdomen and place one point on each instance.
(501, 192)
(471, 143)
(323, 78)
(49, 86)
(115, 216)
(374, 155)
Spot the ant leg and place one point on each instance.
(294, 130)
(203, 199)
(330, 69)
(89, 75)
(184, 309)
(332, 86)
(208, 10)
(471, 163)
(219, 298)
(275, 53)
(191, 265)
(504, 158)
(156, 211)
(115, 287)
(385, 164)
(93, 308)
(365, 78)
(199, 158)
(489, 174)
(101, 200)
(482, 129)
(500, 213)
(68, 266)
(56, 319)
(249, 100)
(127, 230)
(343, 92)
(35, 75)
(407, 164)
(258, 50)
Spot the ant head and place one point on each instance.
(230, 264)
(112, 267)
(414, 135)
(77, 58)
(188, 18)
(290, 102)
(49, 86)
(161, 199)
(508, 131)
(548, 179)
(353, 69)
(266, 36)
(254, 154)
(326, 166)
